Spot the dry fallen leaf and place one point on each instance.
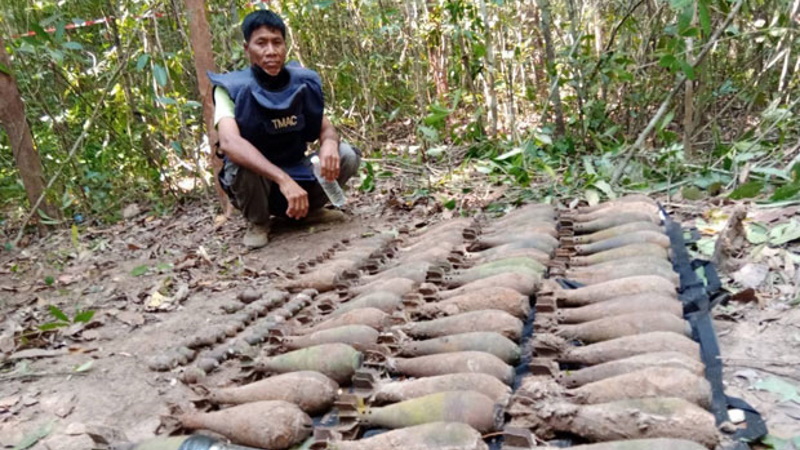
(751, 275)
(203, 253)
(156, 301)
(7, 344)
(8, 402)
(160, 302)
(60, 405)
(747, 295)
(75, 428)
(66, 279)
(90, 335)
(131, 211)
(220, 220)
(131, 318)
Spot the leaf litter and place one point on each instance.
(196, 257)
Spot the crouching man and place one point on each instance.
(265, 116)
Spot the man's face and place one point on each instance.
(266, 49)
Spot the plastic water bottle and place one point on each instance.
(332, 189)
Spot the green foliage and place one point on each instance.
(368, 179)
(383, 63)
(789, 190)
(783, 389)
(747, 190)
(774, 442)
(30, 439)
(140, 270)
(62, 320)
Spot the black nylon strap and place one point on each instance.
(695, 294)
(569, 284)
(703, 332)
(756, 427)
(692, 289)
(713, 283)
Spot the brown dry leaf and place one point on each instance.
(79, 350)
(747, 295)
(134, 246)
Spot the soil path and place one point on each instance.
(113, 272)
(94, 377)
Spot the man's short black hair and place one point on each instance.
(262, 18)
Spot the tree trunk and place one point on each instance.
(789, 38)
(688, 100)
(555, 94)
(437, 51)
(540, 60)
(491, 95)
(200, 36)
(597, 22)
(12, 119)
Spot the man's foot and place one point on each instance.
(257, 236)
(324, 215)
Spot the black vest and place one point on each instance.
(278, 123)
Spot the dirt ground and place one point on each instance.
(91, 379)
(112, 271)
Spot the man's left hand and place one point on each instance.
(329, 160)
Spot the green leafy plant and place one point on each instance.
(789, 190)
(140, 270)
(774, 442)
(62, 320)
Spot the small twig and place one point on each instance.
(17, 376)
